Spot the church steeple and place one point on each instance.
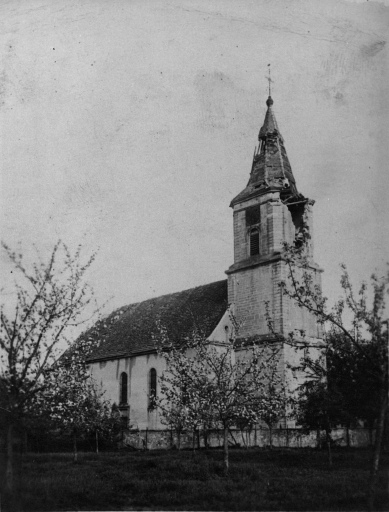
(270, 214)
(270, 170)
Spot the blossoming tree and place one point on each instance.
(50, 299)
(216, 384)
(72, 401)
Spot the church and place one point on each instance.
(267, 213)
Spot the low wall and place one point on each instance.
(289, 437)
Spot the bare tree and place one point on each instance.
(51, 298)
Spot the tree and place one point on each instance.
(363, 339)
(339, 388)
(321, 403)
(222, 385)
(316, 410)
(343, 381)
(177, 407)
(71, 400)
(275, 401)
(351, 376)
(51, 298)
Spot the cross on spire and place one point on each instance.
(268, 78)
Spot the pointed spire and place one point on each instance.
(271, 169)
(270, 124)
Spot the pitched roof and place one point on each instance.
(271, 168)
(130, 329)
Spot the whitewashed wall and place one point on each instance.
(107, 375)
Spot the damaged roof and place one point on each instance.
(271, 169)
(132, 329)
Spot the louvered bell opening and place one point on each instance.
(254, 242)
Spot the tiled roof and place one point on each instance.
(271, 168)
(130, 329)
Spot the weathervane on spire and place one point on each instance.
(268, 78)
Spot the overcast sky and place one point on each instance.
(129, 126)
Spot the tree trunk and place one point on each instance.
(9, 469)
(25, 443)
(348, 436)
(243, 439)
(385, 441)
(233, 437)
(328, 443)
(179, 439)
(271, 436)
(97, 442)
(377, 450)
(205, 433)
(75, 453)
(193, 442)
(370, 433)
(226, 462)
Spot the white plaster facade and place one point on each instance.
(107, 375)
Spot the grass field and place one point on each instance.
(170, 480)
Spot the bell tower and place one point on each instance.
(269, 213)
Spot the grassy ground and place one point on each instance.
(259, 480)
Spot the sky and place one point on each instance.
(128, 127)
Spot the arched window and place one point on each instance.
(152, 387)
(123, 389)
(254, 242)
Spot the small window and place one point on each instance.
(152, 387)
(123, 388)
(254, 242)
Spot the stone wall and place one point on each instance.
(285, 438)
